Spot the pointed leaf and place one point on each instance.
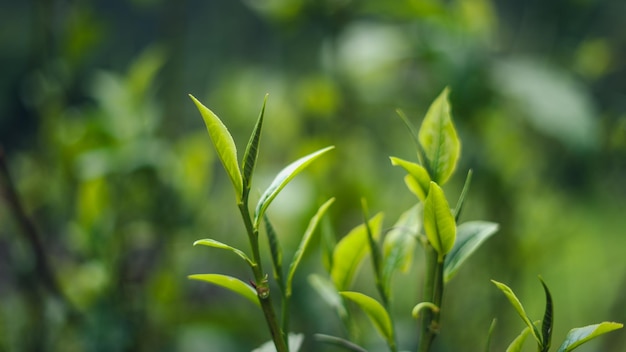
(439, 223)
(519, 308)
(492, 328)
(216, 244)
(224, 145)
(546, 323)
(252, 150)
(375, 311)
(418, 173)
(304, 243)
(282, 179)
(414, 137)
(350, 251)
(518, 343)
(469, 236)
(230, 283)
(438, 137)
(276, 252)
(461, 202)
(399, 244)
(329, 293)
(578, 336)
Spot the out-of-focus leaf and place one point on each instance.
(216, 244)
(276, 252)
(351, 250)
(230, 283)
(578, 336)
(375, 311)
(306, 240)
(224, 145)
(329, 293)
(519, 308)
(469, 236)
(282, 179)
(492, 327)
(439, 222)
(418, 173)
(459, 205)
(399, 244)
(518, 343)
(546, 323)
(252, 150)
(438, 137)
(295, 342)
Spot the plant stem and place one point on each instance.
(433, 292)
(262, 286)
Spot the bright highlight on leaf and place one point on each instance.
(439, 222)
(375, 311)
(439, 140)
(230, 283)
(224, 145)
(282, 179)
(216, 244)
(578, 336)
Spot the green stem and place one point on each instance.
(262, 286)
(433, 292)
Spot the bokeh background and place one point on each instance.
(113, 165)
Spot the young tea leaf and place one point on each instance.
(351, 250)
(469, 236)
(518, 343)
(282, 179)
(306, 240)
(216, 244)
(492, 328)
(224, 145)
(375, 311)
(399, 244)
(578, 336)
(252, 150)
(438, 137)
(459, 205)
(519, 308)
(417, 173)
(230, 283)
(439, 223)
(546, 324)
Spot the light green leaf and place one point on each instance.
(329, 294)
(304, 243)
(469, 236)
(417, 173)
(224, 145)
(439, 222)
(375, 311)
(351, 250)
(519, 308)
(399, 244)
(216, 244)
(518, 343)
(282, 179)
(230, 283)
(578, 336)
(439, 140)
(252, 150)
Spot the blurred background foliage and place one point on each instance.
(114, 167)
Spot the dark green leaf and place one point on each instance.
(546, 324)
(276, 252)
(252, 150)
(470, 235)
(230, 283)
(224, 145)
(578, 336)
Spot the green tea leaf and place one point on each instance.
(546, 324)
(351, 250)
(230, 283)
(329, 293)
(224, 145)
(399, 244)
(469, 236)
(518, 343)
(417, 173)
(438, 137)
(295, 342)
(519, 308)
(461, 201)
(578, 336)
(375, 311)
(492, 328)
(304, 243)
(252, 150)
(439, 222)
(216, 244)
(276, 252)
(282, 179)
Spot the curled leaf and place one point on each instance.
(230, 283)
